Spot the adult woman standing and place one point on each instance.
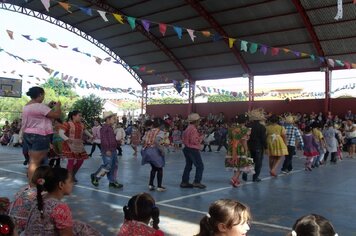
(276, 144)
(37, 127)
(73, 147)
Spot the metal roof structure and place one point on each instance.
(300, 25)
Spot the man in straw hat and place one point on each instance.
(292, 135)
(108, 152)
(192, 140)
(257, 142)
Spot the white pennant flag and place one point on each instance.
(103, 15)
(339, 10)
(191, 34)
(46, 4)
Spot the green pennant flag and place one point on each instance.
(312, 57)
(253, 48)
(132, 22)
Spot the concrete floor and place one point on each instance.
(275, 203)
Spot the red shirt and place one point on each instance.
(192, 138)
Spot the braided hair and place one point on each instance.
(141, 207)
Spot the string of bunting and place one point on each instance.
(245, 46)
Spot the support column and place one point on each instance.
(251, 91)
(191, 96)
(327, 100)
(144, 98)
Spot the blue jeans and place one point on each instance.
(192, 156)
(109, 167)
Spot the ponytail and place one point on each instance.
(205, 227)
(40, 189)
(155, 217)
(127, 213)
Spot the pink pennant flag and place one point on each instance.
(162, 28)
(10, 33)
(331, 62)
(119, 18)
(46, 4)
(347, 65)
(231, 42)
(191, 34)
(103, 15)
(275, 51)
(142, 68)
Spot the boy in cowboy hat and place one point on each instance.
(192, 140)
(109, 153)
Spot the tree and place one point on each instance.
(167, 100)
(11, 108)
(226, 98)
(60, 87)
(130, 106)
(90, 106)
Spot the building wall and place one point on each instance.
(338, 106)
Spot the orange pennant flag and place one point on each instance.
(65, 5)
(354, 65)
(10, 33)
(150, 71)
(119, 18)
(286, 50)
(231, 42)
(206, 33)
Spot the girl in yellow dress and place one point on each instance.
(276, 144)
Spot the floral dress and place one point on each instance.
(56, 216)
(20, 208)
(238, 156)
(76, 150)
(132, 227)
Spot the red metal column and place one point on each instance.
(327, 90)
(251, 91)
(144, 98)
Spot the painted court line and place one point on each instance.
(173, 206)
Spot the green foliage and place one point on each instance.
(166, 100)
(11, 108)
(130, 106)
(67, 102)
(90, 106)
(225, 98)
(60, 88)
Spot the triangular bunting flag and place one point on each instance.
(146, 25)
(132, 22)
(108, 59)
(46, 4)
(10, 33)
(63, 46)
(53, 45)
(42, 39)
(103, 15)
(263, 49)
(86, 10)
(178, 30)
(322, 59)
(217, 37)
(150, 71)
(206, 33)
(135, 67)
(286, 50)
(353, 65)
(312, 57)
(347, 65)
(296, 53)
(28, 37)
(253, 48)
(304, 54)
(244, 45)
(331, 62)
(162, 28)
(75, 50)
(275, 51)
(65, 5)
(142, 68)
(231, 42)
(119, 18)
(191, 34)
(340, 63)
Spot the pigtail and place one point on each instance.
(127, 213)
(155, 217)
(205, 227)
(40, 189)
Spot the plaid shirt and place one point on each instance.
(293, 134)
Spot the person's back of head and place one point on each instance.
(142, 207)
(313, 225)
(7, 226)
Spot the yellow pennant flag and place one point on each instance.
(65, 5)
(119, 18)
(206, 33)
(304, 54)
(354, 65)
(231, 42)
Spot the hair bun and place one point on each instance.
(28, 93)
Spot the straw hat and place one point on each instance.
(193, 117)
(256, 114)
(289, 119)
(108, 114)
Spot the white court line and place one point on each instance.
(176, 207)
(13, 161)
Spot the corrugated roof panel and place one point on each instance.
(337, 30)
(326, 15)
(209, 61)
(217, 72)
(339, 46)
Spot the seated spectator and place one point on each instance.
(226, 217)
(50, 216)
(7, 226)
(15, 139)
(139, 211)
(20, 208)
(312, 225)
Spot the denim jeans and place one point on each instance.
(109, 167)
(192, 156)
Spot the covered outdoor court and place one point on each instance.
(275, 202)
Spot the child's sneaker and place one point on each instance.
(94, 180)
(161, 189)
(115, 185)
(151, 187)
